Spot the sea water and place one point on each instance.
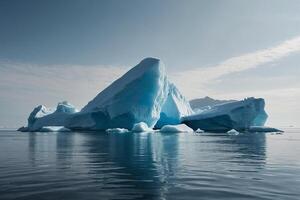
(98, 165)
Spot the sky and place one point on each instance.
(53, 50)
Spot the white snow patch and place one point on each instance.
(176, 128)
(199, 130)
(117, 130)
(54, 129)
(233, 132)
(141, 127)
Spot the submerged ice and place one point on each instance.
(145, 95)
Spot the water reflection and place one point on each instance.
(32, 148)
(132, 164)
(250, 146)
(41, 147)
(145, 165)
(64, 150)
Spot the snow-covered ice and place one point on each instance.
(141, 127)
(176, 128)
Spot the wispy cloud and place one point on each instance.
(282, 104)
(23, 86)
(37, 82)
(193, 82)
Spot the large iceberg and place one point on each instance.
(238, 115)
(135, 97)
(143, 94)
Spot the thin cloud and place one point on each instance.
(282, 104)
(25, 85)
(193, 82)
(41, 83)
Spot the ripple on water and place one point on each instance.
(149, 166)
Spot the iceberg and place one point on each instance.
(180, 128)
(238, 115)
(44, 117)
(144, 98)
(143, 94)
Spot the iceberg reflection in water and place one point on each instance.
(148, 166)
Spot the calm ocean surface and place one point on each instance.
(149, 166)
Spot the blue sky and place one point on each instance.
(69, 50)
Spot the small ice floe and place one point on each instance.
(117, 130)
(54, 129)
(180, 128)
(263, 129)
(141, 127)
(233, 132)
(199, 131)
